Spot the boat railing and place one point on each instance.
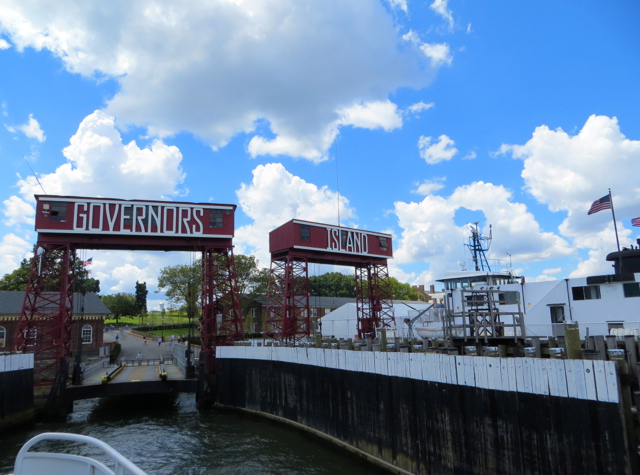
(28, 463)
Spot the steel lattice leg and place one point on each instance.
(221, 312)
(288, 316)
(374, 300)
(45, 321)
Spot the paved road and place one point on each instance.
(131, 344)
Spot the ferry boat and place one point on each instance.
(62, 463)
(493, 303)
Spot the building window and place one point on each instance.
(631, 290)
(557, 313)
(508, 298)
(383, 244)
(305, 232)
(215, 218)
(59, 211)
(314, 313)
(87, 334)
(327, 311)
(3, 337)
(588, 292)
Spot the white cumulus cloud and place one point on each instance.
(216, 68)
(276, 196)
(442, 9)
(31, 129)
(429, 187)
(372, 115)
(99, 164)
(568, 172)
(12, 250)
(17, 211)
(419, 107)
(4, 44)
(435, 152)
(431, 235)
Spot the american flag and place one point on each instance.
(599, 205)
(635, 222)
(88, 262)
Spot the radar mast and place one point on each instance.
(477, 248)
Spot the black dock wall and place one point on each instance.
(427, 427)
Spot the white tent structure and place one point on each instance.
(342, 322)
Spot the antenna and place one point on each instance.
(337, 182)
(34, 174)
(476, 247)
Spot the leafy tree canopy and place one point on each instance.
(18, 279)
(332, 284)
(182, 284)
(121, 304)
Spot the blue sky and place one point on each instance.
(426, 115)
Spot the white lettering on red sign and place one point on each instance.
(138, 218)
(347, 241)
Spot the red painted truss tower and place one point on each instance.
(45, 322)
(67, 223)
(221, 311)
(288, 300)
(296, 244)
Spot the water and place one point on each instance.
(170, 436)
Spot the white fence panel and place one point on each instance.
(382, 366)
(494, 375)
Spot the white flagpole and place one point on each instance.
(615, 226)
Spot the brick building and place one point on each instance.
(91, 324)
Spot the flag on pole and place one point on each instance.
(88, 262)
(599, 205)
(635, 222)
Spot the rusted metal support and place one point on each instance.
(221, 312)
(374, 300)
(288, 316)
(44, 328)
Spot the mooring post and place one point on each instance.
(612, 342)
(383, 339)
(600, 347)
(622, 369)
(572, 340)
(318, 340)
(632, 357)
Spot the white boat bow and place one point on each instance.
(52, 463)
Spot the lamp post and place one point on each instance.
(77, 370)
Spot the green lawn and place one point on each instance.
(154, 318)
(168, 333)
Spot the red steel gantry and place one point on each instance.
(66, 224)
(295, 245)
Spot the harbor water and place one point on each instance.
(166, 436)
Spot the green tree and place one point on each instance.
(182, 284)
(402, 291)
(141, 297)
(332, 284)
(121, 304)
(18, 279)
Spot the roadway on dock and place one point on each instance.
(138, 376)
